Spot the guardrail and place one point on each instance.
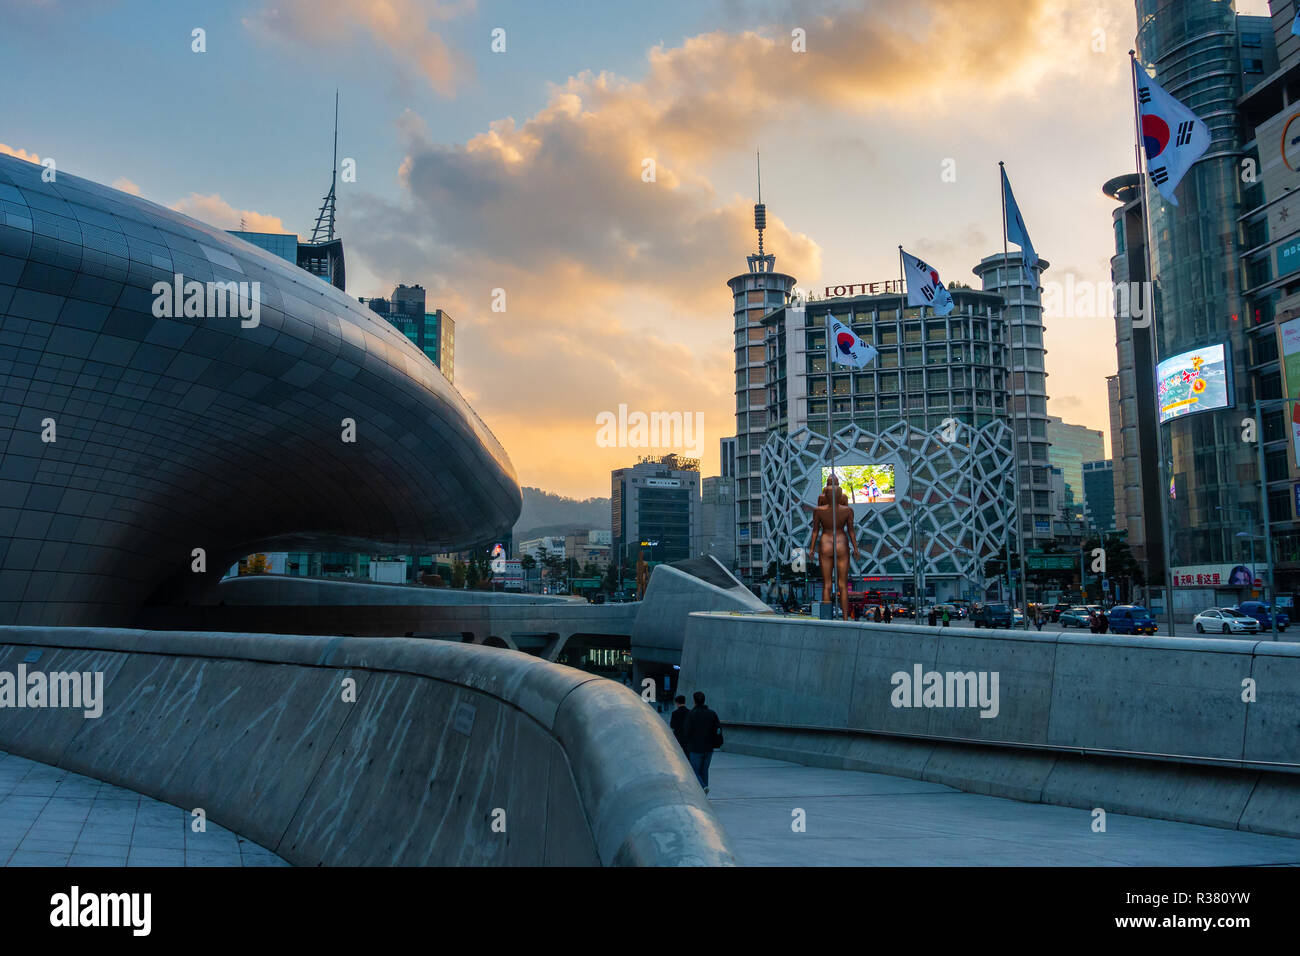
(391, 751)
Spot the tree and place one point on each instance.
(458, 571)
(527, 562)
(257, 564)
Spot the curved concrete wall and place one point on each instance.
(254, 729)
(1156, 725)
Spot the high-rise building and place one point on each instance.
(753, 294)
(1270, 261)
(1134, 441)
(1071, 446)
(1023, 312)
(321, 259)
(929, 418)
(655, 510)
(1099, 496)
(434, 332)
(1212, 289)
(717, 519)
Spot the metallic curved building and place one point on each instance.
(129, 439)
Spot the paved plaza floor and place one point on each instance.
(871, 819)
(53, 817)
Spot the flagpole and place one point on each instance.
(1015, 415)
(834, 491)
(907, 439)
(1155, 346)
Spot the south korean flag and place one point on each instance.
(1172, 135)
(924, 287)
(846, 347)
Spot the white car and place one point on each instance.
(1224, 620)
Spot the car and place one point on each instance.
(1059, 608)
(1260, 611)
(1131, 619)
(1077, 616)
(1225, 620)
(1017, 617)
(992, 615)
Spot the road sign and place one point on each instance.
(1051, 562)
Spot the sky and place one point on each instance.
(505, 146)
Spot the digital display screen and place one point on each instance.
(864, 484)
(1195, 381)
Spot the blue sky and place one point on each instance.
(522, 170)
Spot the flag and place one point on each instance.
(846, 347)
(1172, 135)
(924, 287)
(1016, 231)
(1173, 490)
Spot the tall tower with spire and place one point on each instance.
(323, 254)
(754, 294)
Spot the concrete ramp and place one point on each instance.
(341, 751)
(697, 584)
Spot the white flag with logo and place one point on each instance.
(924, 287)
(1173, 137)
(846, 348)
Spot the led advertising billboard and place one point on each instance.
(864, 484)
(1195, 381)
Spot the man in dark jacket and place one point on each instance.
(678, 723)
(702, 727)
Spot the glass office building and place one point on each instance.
(433, 332)
(1207, 57)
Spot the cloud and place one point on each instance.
(615, 286)
(215, 211)
(19, 153)
(126, 186)
(400, 28)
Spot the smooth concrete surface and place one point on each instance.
(284, 589)
(870, 819)
(1157, 726)
(542, 629)
(449, 755)
(672, 595)
(54, 817)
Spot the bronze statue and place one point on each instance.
(837, 536)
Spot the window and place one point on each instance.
(887, 335)
(816, 363)
(889, 381)
(864, 403)
(817, 387)
(935, 332)
(864, 383)
(915, 381)
(912, 355)
(842, 385)
(936, 355)
(936, 378)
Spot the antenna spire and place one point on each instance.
(324, 228)
(760, 211)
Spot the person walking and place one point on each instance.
(677, 722)
(934, 617)
(946, 617)
(703, 735)
(889, 614)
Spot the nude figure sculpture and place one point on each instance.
(837, 537)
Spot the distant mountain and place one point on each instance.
(544, 513)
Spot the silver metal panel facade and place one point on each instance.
(175, 434)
